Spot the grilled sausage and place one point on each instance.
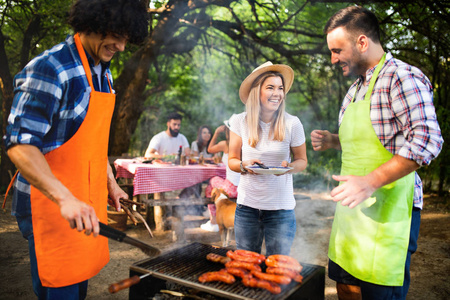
(280, 279)
(286, 272)
(283, 261)
(262, 284)
(239, 272)
(242, 264)
(245, 258)
(221, 275)
(217, 258)
(250, 253)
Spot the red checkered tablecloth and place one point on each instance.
(157, 178)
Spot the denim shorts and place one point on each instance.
(370, 291)
(276, 227)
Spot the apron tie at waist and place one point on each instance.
(9, 187)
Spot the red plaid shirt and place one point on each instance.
(402, 114)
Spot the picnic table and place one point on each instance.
(157, 178)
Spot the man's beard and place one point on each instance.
(173, 133)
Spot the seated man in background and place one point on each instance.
(169, 141)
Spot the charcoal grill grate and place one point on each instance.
(186, 264)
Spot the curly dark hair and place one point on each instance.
(122, 17)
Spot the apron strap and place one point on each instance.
(84, 60)
(9, 187)
(109, 83)
(372, 81)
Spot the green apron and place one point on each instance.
(370, 241)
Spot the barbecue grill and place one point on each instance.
(184, 265)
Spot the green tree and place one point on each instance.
(199, 51)
(27, 28)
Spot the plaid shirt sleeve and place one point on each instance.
(403, 114)
(51, 98)
(412, 106)
(36, 101)
(402, 111)
(50, 103)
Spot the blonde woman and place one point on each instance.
(266, 134)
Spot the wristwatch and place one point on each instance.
(243, 170)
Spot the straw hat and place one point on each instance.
(286, 71)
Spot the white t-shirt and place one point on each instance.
(167, 145)
(268, 192)
(232, 176)
(194, 147)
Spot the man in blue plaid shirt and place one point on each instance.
(387, 130)
(57, 136)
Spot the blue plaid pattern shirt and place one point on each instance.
(402, 114)
(51, 99)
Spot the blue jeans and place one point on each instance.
(370, 291)
(277, 227)
(71, 292)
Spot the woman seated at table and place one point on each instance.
(200, 146)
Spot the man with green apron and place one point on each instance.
(57, 137)
(388, 129)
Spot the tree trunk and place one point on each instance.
(6, 85)
(131, 83)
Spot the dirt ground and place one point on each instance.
(429, 270)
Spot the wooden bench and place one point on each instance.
(156, 208)
(156, 213)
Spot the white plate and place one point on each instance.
(270, 170)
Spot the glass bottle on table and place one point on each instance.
(183, 158)
(178, 159)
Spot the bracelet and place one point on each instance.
(243, 170)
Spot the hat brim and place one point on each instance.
(286, 71)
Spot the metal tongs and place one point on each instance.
(262, 166)
(120, 236)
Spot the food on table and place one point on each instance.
(162, 162)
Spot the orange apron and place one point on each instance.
(64, 255)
